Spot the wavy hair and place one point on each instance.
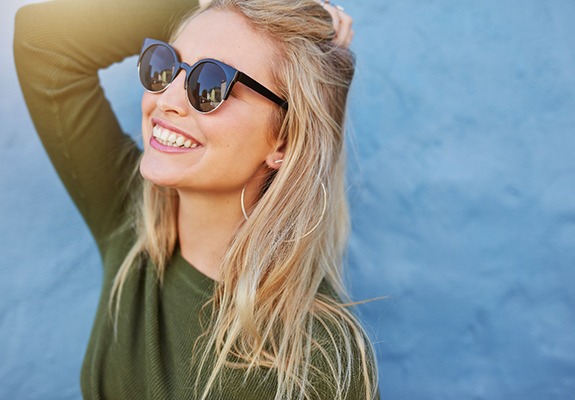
(268, 307)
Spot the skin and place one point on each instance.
(342, 24)
(236, 147)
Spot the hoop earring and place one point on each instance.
(320, 217)
(324, 190)
(242, 202)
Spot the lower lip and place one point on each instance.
(169, 149)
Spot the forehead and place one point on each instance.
(228, 37)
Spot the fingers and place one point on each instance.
(344, 34)
(342, 24)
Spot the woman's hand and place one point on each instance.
(342, 23)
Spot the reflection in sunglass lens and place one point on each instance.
(206, 86)
(156, 68)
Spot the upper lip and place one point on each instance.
(168, 126)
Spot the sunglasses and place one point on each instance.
(208, 82)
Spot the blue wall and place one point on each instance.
(462, 173)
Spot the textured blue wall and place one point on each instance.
(462, 172)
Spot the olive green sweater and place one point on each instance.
(59, 48)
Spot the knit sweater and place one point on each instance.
(59, 48)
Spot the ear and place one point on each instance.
(275, 158)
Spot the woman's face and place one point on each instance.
(232, 145)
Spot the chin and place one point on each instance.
(157, 174)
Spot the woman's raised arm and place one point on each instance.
(59, 47)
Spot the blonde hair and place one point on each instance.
(266, 308)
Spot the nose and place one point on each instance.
(174, 99)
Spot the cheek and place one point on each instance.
(148, 103)
(253, 140)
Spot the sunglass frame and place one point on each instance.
(232, 76)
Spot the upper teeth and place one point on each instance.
(169, 138)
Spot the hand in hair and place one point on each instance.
(342, 24)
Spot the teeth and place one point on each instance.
(169, 138)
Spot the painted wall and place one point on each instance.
(462, 188)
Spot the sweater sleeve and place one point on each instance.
(59, 46)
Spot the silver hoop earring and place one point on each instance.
(324, 190)
(320, 217)
(278, 161)
(242, 202)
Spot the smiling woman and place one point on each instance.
(222, 275)
(234, 148)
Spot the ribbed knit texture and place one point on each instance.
(59, 48)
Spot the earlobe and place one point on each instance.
(275, 159)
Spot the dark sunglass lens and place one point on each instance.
(206, 87)
(156, 68)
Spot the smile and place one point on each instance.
(168, 138)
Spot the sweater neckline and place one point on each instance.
(201, 283)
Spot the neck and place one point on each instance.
(206, 225)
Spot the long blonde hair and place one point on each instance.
(266, 308)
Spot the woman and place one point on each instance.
(222, 266)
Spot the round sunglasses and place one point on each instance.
(208, 82)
